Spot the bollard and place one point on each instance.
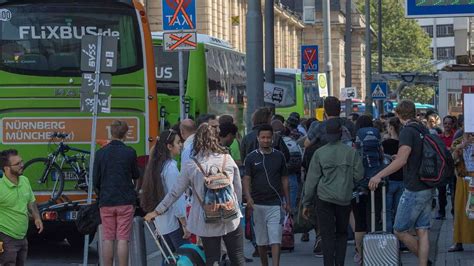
(136, 248)
(99, 244)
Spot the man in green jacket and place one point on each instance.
(333, 170)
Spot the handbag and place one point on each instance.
(300, 224)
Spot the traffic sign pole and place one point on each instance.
(93, 137)
(182, 110)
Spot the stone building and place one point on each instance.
(225, 19)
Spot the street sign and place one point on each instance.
(323, 85)
(309, 77)
(88, 83)
(179, 14)
(348, 93)
(388, 106)
(89, 54)
(273, 93)
(87, 103)
(378, 90)
(179, 41)
(309, 58)
(439, 8)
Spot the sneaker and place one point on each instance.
(317, 249)
(441, 216)
(318, 254)
(248, 259)
(456, 248)
(404, 249)
(357, 259)
(255, 253)
(305, 237)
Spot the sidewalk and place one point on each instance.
(441, 237)
(445, 241)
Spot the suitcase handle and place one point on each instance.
(384, 208)
(157, 233)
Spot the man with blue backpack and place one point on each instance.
(426, 164)
(368, 144)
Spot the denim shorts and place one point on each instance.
(414, 210)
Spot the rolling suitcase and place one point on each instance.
(187, 254)
(380, 248)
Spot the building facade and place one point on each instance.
(226, 19)
(449, 38)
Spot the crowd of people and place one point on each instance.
(200, 172)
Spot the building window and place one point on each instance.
(445, 52)
(444, 30)
(432, 53)
(428, 30)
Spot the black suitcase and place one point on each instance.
(380, 248)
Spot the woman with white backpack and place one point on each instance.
(217, 191)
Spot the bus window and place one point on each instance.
(167, 70)
(289, 82)
(46, 39)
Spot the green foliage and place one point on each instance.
(419, 94)
(405, 46)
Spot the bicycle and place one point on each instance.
(49, 174)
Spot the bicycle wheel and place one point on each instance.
(42, 179)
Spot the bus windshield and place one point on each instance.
(46, 39)
(289, 81)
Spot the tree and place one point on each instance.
(405, 46)
(419, 94)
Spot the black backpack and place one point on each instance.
(437, 164)
(88, 218)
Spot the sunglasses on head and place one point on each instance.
(172, 132)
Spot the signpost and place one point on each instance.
(98, 54)
(273, 93)
(309, 72)
(309, 62)
(378, 90)
(179, 41)
(388, 106)
(179, 25)
(323, 85)
(437, 8)
(348, 93)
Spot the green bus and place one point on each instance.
(215, 82)
(40, 79)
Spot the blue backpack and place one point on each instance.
(369, 145)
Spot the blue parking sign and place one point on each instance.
(179, 15)
(309, 58)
